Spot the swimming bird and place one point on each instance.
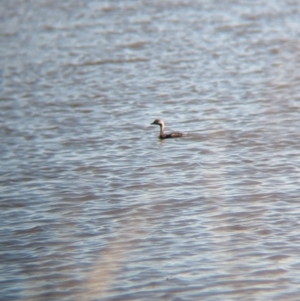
(162, 135)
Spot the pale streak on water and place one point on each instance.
(94, 206)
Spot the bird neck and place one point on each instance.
(162, 129)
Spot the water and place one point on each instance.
(94, 206)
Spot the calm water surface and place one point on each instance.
(94, 206)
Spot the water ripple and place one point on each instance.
(94, 206)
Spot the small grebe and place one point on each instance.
(162, 135)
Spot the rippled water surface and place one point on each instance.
(94, 206)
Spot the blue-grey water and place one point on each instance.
(94, 206)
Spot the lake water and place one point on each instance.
(94, 206)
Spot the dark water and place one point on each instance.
(94, 206)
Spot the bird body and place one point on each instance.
(162, 134)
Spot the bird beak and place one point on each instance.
(152, 123)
